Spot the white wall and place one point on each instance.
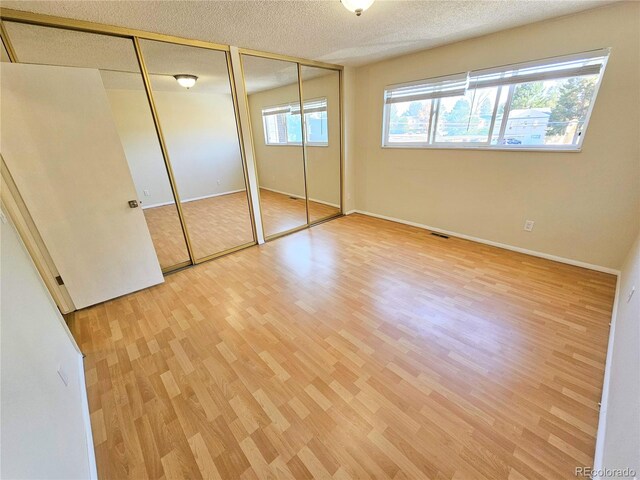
(586, 205)
(280, 167)
(44, 430)
(201, 136)
(619, 431)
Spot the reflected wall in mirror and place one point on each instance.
(4, 55)
(274, 109)
(321, 106)
(198, 123)
(116, 61)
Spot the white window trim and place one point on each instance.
(434, 114)
(294, 144)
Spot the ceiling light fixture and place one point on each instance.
(356, 6)
(186, 81)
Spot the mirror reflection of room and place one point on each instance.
(274, 108)
(120, 81)
(321, 94)
(192, 94)
(4, 55)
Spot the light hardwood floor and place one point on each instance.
(218, 223)
(359, 348)
(281, 212)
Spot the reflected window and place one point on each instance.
(273, 95)
(281, 123)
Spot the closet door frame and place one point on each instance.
(243, 126)
(165, 153)
(245, 52)
(135, 36)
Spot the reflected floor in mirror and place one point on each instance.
(282, 212)
(219, 223)
(215, 224)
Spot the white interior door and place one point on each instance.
(60, 143)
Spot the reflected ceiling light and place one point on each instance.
(186, 81)
(356, 6)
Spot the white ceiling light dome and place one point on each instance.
(357, 6)
(185, 80)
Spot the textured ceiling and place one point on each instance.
(116, 59)
(316, 29)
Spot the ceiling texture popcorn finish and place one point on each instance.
(319, 30)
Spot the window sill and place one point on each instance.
(554, 149)
(324, 145)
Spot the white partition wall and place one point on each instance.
(44, 428)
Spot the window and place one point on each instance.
(537, 105)
(282, 124)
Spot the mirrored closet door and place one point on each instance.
(70, 149)
(119, 77)
(193, 98)
(321, 106)
(274, 109)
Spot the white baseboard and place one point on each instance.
(301, 197)
(602, 421)
(86, 416)
(598, 458)
(154, 205)
(187, 200)
(568, 261)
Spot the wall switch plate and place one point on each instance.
(63, 376)
(528, 225)
(146, 193)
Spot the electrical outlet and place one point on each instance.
(528, 225)
(218, 182)
(147, 193)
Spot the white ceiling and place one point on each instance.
(316, 29)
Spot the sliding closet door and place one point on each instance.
(193, 98)
(274, 110)
(321, 105)
(116, 62)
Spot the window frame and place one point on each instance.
(435, 113)
(306, 130)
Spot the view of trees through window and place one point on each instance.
(546, 112)
(283, 126)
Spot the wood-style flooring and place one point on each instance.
(282, 212)
(359, 348)
(218, 223)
